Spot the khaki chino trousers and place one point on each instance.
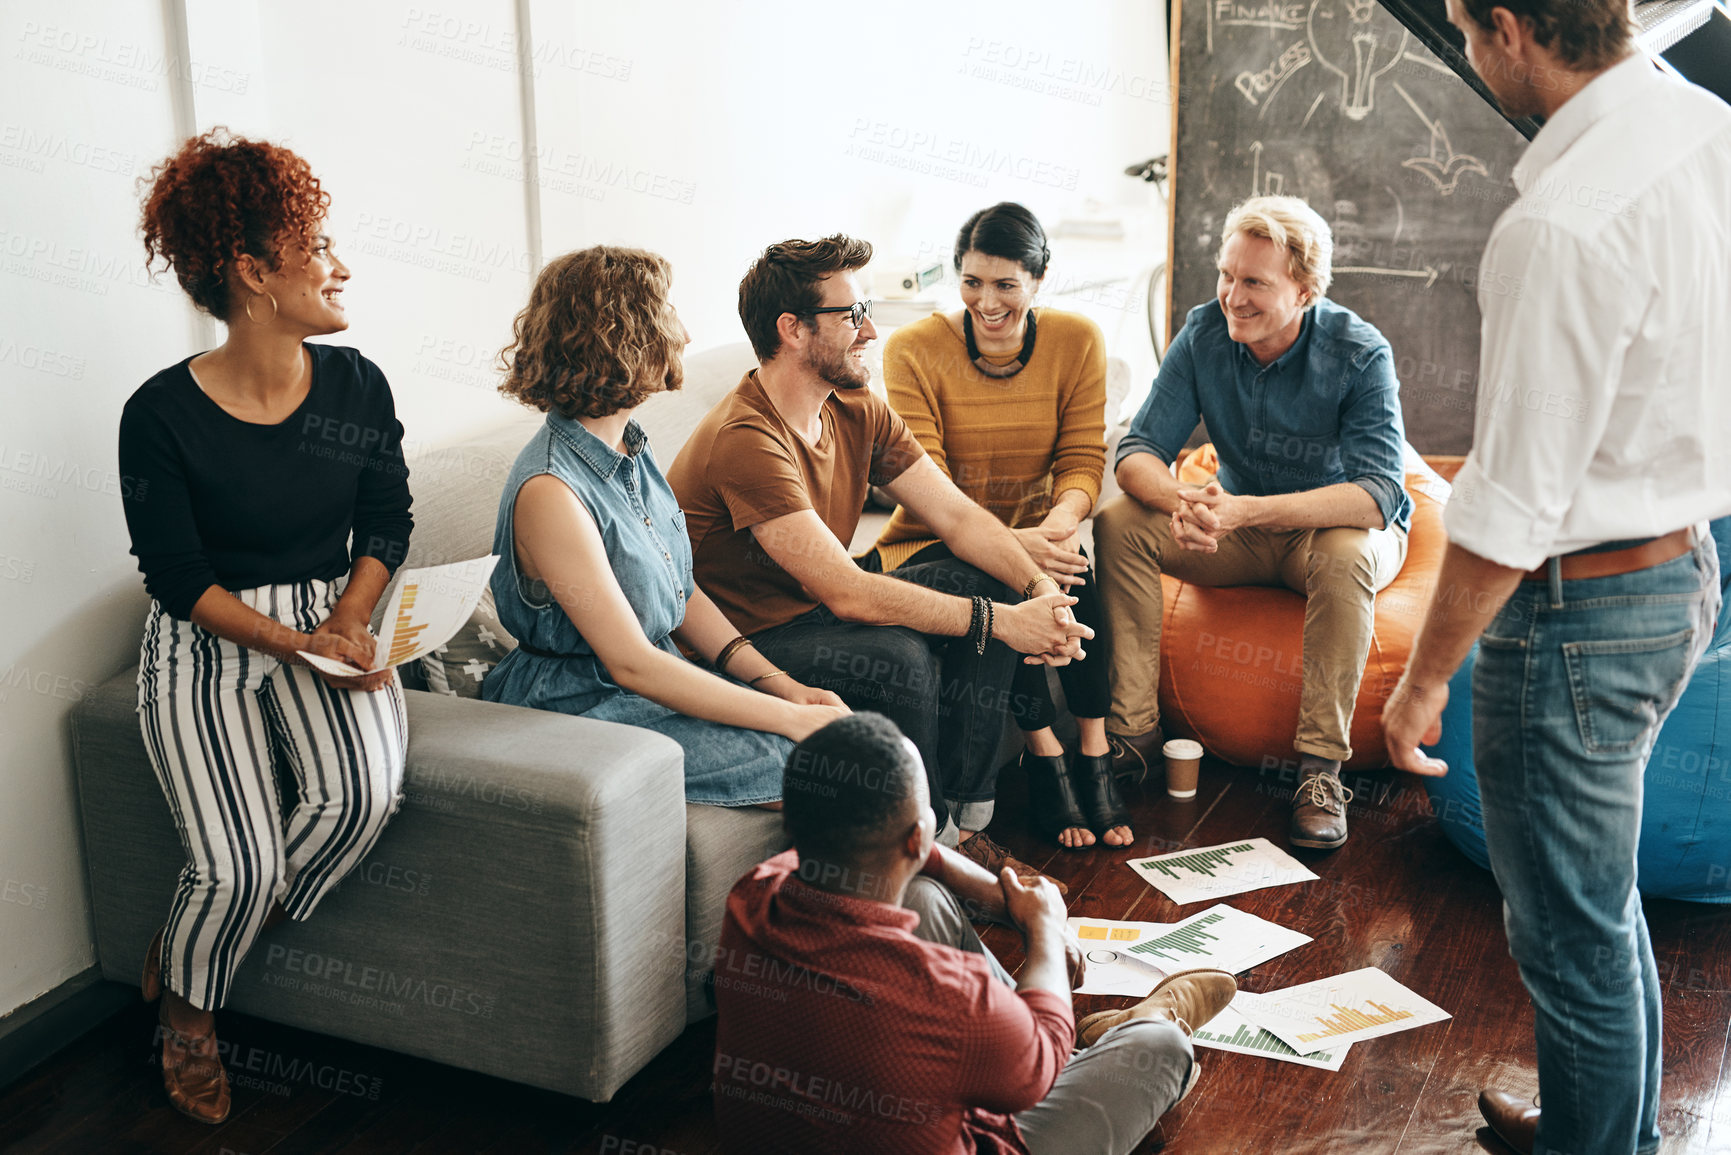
(1338, 570)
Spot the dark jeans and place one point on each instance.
(1087, 688)
(947, 699)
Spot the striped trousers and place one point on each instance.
(218, 719)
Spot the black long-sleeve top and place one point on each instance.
(214, 500)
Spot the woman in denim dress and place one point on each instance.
(595, 575)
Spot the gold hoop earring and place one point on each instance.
(247, 308)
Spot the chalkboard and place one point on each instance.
(1336, 102)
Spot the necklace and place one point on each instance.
(992, 369)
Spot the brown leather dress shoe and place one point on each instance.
(1189, 998)
(981, 849)
(150, 984)
(1134, 755)
(1319, 812)
(1515, 1120)
(192, 1075)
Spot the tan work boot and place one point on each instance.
(1319, 809)
(1188, 998)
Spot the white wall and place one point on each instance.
(707, 131)
(83, 109)
(701, 130)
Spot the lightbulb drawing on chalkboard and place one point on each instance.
(1344, 41)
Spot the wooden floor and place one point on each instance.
(1397, 896)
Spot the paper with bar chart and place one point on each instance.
(1220, 936)
(1188, 876)
(425, 610)
(1112, 969)
(1231, 1031)
(1361, 1004)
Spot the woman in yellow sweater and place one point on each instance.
(1010, 401)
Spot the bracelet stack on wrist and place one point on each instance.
(980, 625)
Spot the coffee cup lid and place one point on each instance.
(1182, 748)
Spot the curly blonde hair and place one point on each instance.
(597, 336)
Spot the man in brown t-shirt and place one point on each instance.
(772, 483)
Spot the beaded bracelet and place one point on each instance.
(985, 634)
(977, 622)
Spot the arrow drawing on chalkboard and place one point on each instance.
(1263, 183)
(1428, 272)
(1443, 165)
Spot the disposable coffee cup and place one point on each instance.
(1183, 759)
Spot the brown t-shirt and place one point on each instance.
(743, 466)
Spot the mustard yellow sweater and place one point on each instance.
(1011, 444)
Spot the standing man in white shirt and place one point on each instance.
(1577, 537)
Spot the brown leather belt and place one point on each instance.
(1611, 563)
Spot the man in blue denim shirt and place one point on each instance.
(1300, 398)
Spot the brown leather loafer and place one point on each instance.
(1515, 1120)
(1319, 812)
(192, 1075)
(993, 857)
(150, 984)
(1189, 998)
(1134, 755)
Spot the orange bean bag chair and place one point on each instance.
(1231, 660)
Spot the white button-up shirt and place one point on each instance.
(1604, 401)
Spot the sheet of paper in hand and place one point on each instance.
(426, 608)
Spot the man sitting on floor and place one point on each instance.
(859, 1011)
(773, 482)
(1301, 400)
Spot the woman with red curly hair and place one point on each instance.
(252, 465)
(595, 574)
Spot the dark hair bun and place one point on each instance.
(1007, 230)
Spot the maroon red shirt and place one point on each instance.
(841, 1032)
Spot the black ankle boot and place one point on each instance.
(1052, 801)
(1092, 776)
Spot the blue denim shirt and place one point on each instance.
(644, 532)
(1324, 412)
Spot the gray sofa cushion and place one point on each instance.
(497, 926)
(721, 845)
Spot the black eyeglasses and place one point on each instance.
(856, 312)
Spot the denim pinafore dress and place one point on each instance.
(644, 532)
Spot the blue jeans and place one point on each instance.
(1573, 682)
